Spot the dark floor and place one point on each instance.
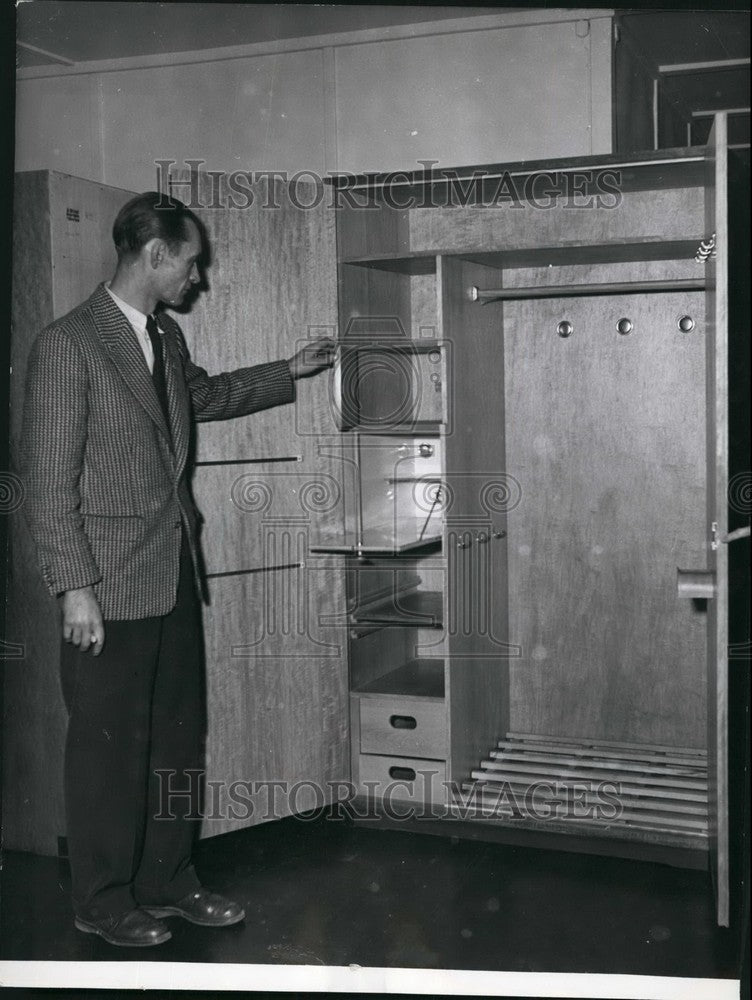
(326, 892)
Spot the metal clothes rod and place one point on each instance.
(484, 295)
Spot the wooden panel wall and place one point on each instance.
(605, 434)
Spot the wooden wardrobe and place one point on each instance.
(478, 574)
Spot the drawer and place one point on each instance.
(401, 780)
(415, 727)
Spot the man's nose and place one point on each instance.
(195, 277)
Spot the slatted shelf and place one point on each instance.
(602, 785)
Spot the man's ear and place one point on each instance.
(157, 251)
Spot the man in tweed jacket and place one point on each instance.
(111, 393)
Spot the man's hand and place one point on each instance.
(312, 358)
(82, 620)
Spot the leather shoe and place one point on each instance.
(135, 929)
(202, 907)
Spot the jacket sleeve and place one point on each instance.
(52, 449)
(237, 393)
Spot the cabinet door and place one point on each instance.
(267, 486)
(716, 218)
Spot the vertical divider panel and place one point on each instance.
(475, 602)
(717, 224)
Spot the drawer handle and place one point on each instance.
(402, 773)
(402, 722)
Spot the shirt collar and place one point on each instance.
(134, 316)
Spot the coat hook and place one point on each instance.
(625, 325)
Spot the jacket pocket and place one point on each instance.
(113, 527)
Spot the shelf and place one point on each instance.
(649, 170)
(418, 609)
(384, 541)
(417, 678)
(415, 428)
(395, 345)
(616, 252)
(418, 263)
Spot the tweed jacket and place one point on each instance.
(106, 481)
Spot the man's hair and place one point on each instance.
(151, 215)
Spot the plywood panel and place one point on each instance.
(83, 254)
(605, 434)
(249, 510)
(277, 693)
(32, 283)
(551, 215)
(35, 719)
(717, 471)
(270, 288)
(276, 672)
(394, 98)
(259, 113)
(475, 571)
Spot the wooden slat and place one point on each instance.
(656, 825)
(648, 791)
(606, 765)
(591, 752)
(616, 744)
(590, 797)
(697, 782)
(627, 815)
(664, 791)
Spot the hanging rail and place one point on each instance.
(484, 295)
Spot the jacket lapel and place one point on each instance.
(177, 394)
(120, 341)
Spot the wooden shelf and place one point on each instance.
(418, 263)
(393, 540)
(392, 345)
(418, 609)
(416, 428)
(616, 252)
(422, 678)
(649, 170)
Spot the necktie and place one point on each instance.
(158, 372)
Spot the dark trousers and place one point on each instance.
(135, 710)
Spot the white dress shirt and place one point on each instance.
(138, 321)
